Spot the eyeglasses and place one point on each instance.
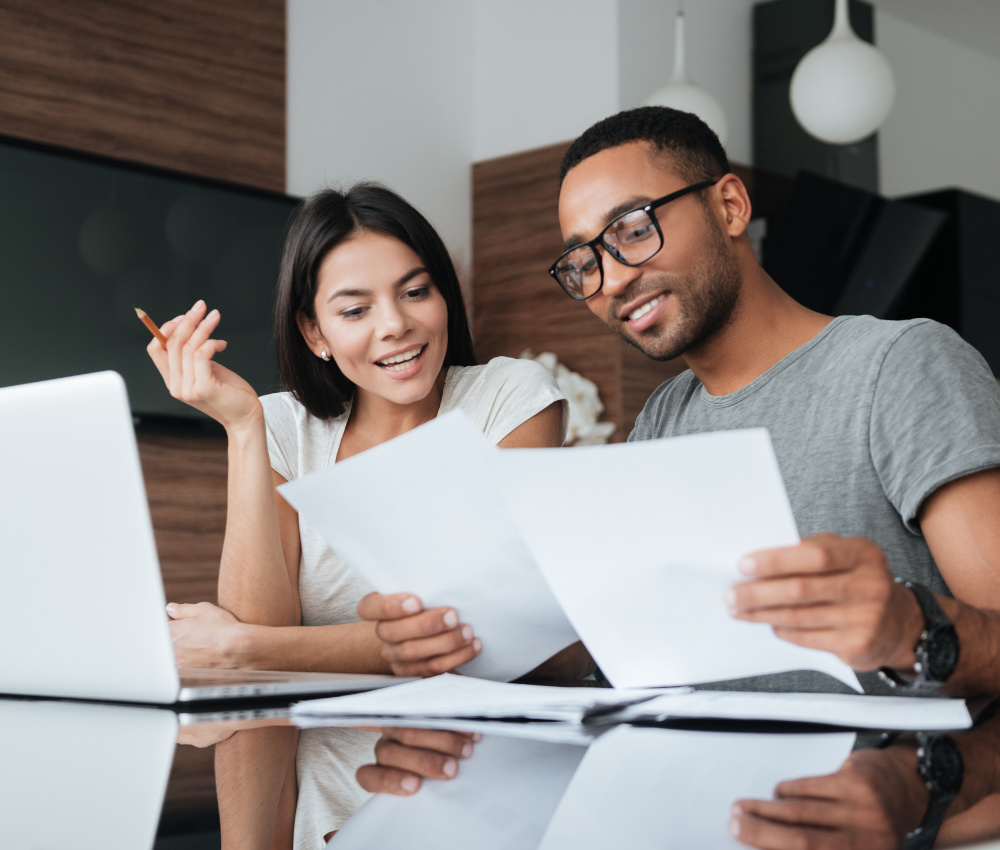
(632, 238)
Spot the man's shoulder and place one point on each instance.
(668, 398)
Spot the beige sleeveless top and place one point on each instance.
(498, 397)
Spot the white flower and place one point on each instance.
(585, 406)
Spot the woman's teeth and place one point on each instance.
(639, 312)
(400, 361)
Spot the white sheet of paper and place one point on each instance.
(639, 542)
(502, 799)
(655, 788)
(854, 712)
(422, 514)
(449, 695)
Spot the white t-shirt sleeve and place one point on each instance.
(280, 420)
(505, 393)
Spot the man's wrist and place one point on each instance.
(910, 618)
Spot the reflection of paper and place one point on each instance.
(449, 695)
(421, 514)
(854, 712)
(640, 541)
(656, 788)
(503, 797)
(81, 775)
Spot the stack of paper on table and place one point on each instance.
(449, 697)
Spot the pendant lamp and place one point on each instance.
(681, 93)
(843, 88)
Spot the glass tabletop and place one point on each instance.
(96, 776)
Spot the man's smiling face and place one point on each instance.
(684, 294)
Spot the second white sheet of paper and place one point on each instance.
(639, 542)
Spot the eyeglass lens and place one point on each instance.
(631, 239)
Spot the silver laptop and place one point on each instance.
(79, 577)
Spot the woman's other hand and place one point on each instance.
(204, 635)
(406, 755)
(417, 642)
(193, 377)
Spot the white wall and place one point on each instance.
(544, 71)
(944, 128)
(383, 89)
(718, 34)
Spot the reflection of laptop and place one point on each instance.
(83, 599)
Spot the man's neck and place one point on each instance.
(767, 326)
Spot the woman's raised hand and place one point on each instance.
(417, 642)
(194, 378)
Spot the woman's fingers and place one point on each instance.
(457, 744)
(203, 360)
(200, 334)
(439, 664)
(387, 780)
(422, 648)
(378, 606)
(158, 353)
(175, 346)
(422, 625)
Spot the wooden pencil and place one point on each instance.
(148, 322)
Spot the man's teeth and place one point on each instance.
(639, 312)
(398, 363)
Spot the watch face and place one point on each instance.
(945, 766)
(942, 653)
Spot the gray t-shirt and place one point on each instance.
(867, 419)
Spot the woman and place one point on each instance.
(372, 341)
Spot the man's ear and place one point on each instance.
(736, 202)
(311, 334)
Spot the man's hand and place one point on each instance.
(833, 593)
(417, 642)
(872, 802)
(406, 755)
(204, 635)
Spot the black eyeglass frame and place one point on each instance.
(599, 239)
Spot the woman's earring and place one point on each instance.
(324, 355)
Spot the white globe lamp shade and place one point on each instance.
(680, 93)
(843, 89)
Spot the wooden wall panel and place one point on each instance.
(184, 84)
(186, 486)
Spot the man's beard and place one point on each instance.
(706, 303)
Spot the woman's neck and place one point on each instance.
(375, 419)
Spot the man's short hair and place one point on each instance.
(693, 150)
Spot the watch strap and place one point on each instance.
(934, 620)
(924, 836)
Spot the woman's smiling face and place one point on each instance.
(381, 317)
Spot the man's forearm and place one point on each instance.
(347, 648)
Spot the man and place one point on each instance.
(887, 433)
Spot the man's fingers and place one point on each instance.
(817, 554)
(376, 606)
(794, 590)
(423, 625)
(440, 664)
(803, 811)
(387, 780)
(457, 744)
(769, 835)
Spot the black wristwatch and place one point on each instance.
(940, 766)
(936, 651)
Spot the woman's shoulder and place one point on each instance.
(502, 394)
(296, 440)
(498, 373)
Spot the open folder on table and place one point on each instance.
(637, 542)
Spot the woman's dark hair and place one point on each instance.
(323, 222)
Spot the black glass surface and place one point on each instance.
(99, 774)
